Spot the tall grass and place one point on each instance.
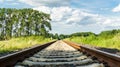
(113, 42)
(21, 43)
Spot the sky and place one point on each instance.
(70, 16)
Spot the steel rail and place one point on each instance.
(11, 59)
(110, 60)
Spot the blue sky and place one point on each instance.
(69, 16)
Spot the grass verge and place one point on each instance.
(113, 42)
(15, 44)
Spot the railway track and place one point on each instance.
(60, 54)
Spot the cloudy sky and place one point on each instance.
(69, 16)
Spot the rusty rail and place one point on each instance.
(109, 59)
(11, 59)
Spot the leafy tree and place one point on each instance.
(23, 22)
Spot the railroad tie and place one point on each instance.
(59, 54)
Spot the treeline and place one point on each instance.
(23, 22)
(103, 34)
(109, 33)
(27, 22)
(63, 36)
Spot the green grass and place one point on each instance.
(21, 42)
(113, 42)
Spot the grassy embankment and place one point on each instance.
(21, 42)
(110, 42)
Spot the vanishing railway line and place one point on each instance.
(60, 54)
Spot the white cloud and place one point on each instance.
(60, 13)
(43, 9)
(67, 19)
(113, 21)
(116, 9)
(67, 15)
(70, 19)
(49, 3)
(83, 18)
(109, 23)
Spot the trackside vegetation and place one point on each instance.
(23, 28)
(15, 44)
(107, 39)
(23, 22)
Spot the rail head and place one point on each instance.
(112, 60)
(11, 59)
(110, 55)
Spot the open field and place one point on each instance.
(15, 44)
(112, 42)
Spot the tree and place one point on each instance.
(23, 22)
